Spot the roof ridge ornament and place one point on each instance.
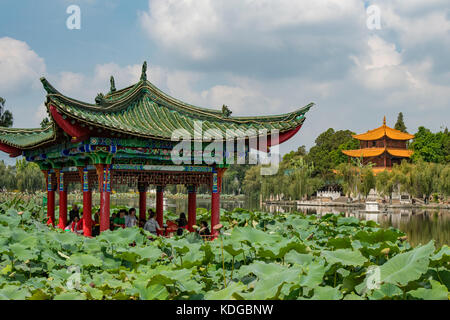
(384, 121)
(226, 112)
(113, 84)
(48, 87)
(100, 99)
(144, 72)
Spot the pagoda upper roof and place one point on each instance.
(141, 110)
(382, 131)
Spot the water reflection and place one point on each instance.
(420, 225)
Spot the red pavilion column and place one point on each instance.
(160, 205)
(50, 199)
(87, 202)
(142, 188)
(105, 189)
(215, 200)
(62, 200)
(192, 207)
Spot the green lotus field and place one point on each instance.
(258, 256)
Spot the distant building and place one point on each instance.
(382, 146)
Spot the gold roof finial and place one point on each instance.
(384, 121)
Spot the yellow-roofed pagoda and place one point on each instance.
(382, 146)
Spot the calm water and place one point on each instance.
(420, 225)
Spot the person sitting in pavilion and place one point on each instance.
(75, 212)
(111, 220)
(96, 225)
(141, 223)
(204, 230)
(182, 223)
(75, 226)
(152, 225)
(130, 219)
(119, 222)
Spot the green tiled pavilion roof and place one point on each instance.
(145, 111)
(27, 138)
(142, 110)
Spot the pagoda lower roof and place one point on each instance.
(374, 152)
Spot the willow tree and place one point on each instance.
(385, 184)
(426, 179)
(7, 176)
(444, 182)
(29, 177)
(252, 182)
(405, 176)
(349, 177)
(366, 181)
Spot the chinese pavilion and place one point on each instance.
(126, 138)
(382, 147)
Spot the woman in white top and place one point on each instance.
(130, 219)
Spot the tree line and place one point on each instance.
(302, 174)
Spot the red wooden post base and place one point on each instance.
(192, 207)
(216, 188)
(87, 213)
(62, 209)
(160, 205)
(215, 212)
(51, 207)
(142, 202)
(104, 182)
(104, 210)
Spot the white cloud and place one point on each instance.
(86, 87)
(41, 113)
(417, 22)
(203, 29)
(20, 66)
(380, 67)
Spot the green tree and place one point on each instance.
(233, 178)
(366, 182)
(404, 176)
(385, 184)
(252, 182)
(327, 154)
(29, 177)
(348, 174)
(426, 179)
(444, 182)
(430, 147)
(400, 124)
(301, 152)
(6, 117)
(7, 177)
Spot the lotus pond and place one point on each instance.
(258, 256)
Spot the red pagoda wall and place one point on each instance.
(395, 144)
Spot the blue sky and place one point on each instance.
(258, 57)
